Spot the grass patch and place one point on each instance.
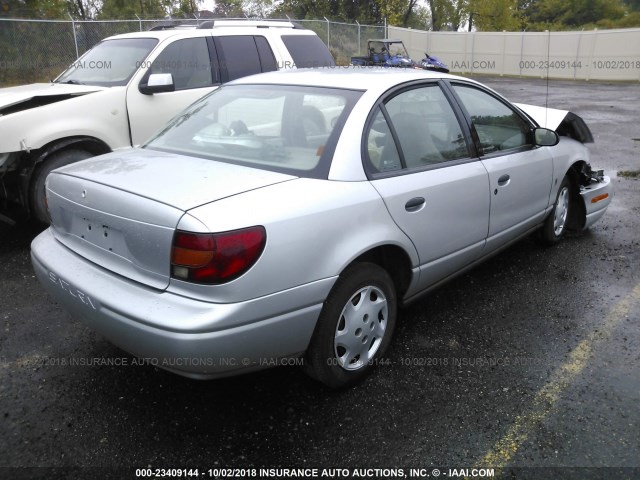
(629, 173)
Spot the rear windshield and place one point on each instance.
(288, 129)
(308, 51)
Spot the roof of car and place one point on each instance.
(352, 77)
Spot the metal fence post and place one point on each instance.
(328, 35)
(359, 45)
(504, 52)
(75, 38)
(139, 21)
(473, 50)
(575, 65)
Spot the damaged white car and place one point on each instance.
(290, 214)
(126, 88)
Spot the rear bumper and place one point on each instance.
(597, 198)
(178, 333)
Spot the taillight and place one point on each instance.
(214, 258)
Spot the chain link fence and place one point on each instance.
(39, 50)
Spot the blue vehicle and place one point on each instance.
(392, 53)
(429, 62)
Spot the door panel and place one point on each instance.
(518, 202)
(189, 63)
(520, 173)
(449, 228)
(434, 191)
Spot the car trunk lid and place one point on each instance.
(120, 211)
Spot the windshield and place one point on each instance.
(390, 48)
(282, 128)
(110, 63)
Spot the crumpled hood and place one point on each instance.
(546, 117)
(31, 96)
(563, 122)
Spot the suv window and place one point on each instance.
(308, 51)
(497, 125)
(243, 55)
(267, 59)
(187, 61)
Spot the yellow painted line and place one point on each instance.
(546, 399)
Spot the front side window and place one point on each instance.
(110, 63)
(497, 125)
(426, 128)
(276, 127)
(187, 61)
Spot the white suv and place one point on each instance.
(127, 87)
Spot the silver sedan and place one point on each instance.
(288, 216)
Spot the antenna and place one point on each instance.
(546, 100)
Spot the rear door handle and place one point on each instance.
(503, 180)
(414, 204)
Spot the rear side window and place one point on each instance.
(243, 55)
(238, 56)
(308, 51)
(267, 59)
(414, 130)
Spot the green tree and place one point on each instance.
(257, 8)
(186, 8)
(563, 14)
(33, 8)
(494, 15)
(228, 8)
(128, 9)
(448, 14)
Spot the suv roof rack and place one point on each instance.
(247, 23)
(176, 26)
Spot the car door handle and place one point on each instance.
(414, 204)
(503, 180)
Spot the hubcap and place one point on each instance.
(562, 208)
(361, 328)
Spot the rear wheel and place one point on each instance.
(355, 326)
(37, 194)
(555, 226)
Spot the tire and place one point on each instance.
(555, 226)
(354, 328)
(37, 202)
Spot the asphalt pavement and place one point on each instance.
(527, 365)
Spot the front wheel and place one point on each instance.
(555, 226)
(37, 202)
(355, 326)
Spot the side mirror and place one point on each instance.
(157, 83)
(544, 137)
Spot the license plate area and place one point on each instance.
(99, 234)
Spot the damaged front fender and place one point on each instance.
(596, 191)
